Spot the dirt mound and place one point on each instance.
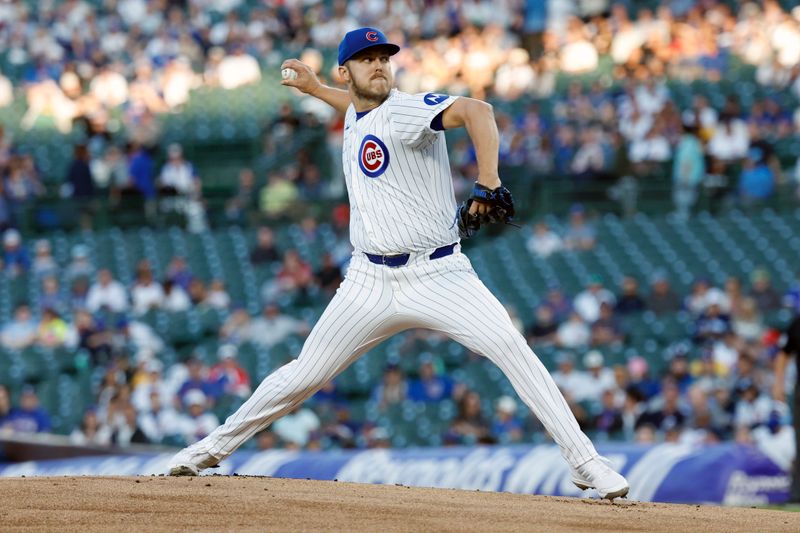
(215, 503)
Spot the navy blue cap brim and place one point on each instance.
(393, 49)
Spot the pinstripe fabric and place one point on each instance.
(402, 201)
(360, 316)
(447, 296)
(375, 302)
(411, 205)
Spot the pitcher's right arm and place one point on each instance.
(308, 83)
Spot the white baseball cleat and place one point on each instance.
(597, 474)
(190, 461)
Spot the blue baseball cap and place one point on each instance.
(361, 39)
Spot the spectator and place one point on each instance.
(329, 276)
(21, 186)
(677, 355)
(273, 327)
(469, 426)
(178, 272)
(122, 420)
(236, 328)
(725, 353)
(53, 331)
(392, 390)
(93, 337)
(730, 140)
(543, 242)
(558, 303)
(135, 335)
(665, 413)
(589, 161)
(267, 440)
(216, 296)
(277, 196)
(228, 375)
(197, 422)
(688, 170)
(107, 293)
(757, 181)
(198, 380)
(293, 279)
(598, 378)
(197, 292)
(640, 380)
(110, 172)
(80, 266)
(91, 431)
(21, 331)
(587, 303)
(158, 421)
(747, 322)
(572, 382)
(50, 296)
(607, 328)
(29, 417)
(506, 427)
(712, 324)
(178, 182)
(237, 69)
(43, 263)
(544, 328)
(146, 294)
(175, 299)
(148, 380)
(733, 293)
(766, 298)
(296, 428)
(573, 333)
(661, 299)
(142, 175)
(609, 418)
(703, 295)
(629, 301)
(753, 408)
(580, 234)
(243, 202)
(264, 251)
(430, 386)
(15, 257)
(82, 184)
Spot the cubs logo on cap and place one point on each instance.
(373, 157)
(357, 40)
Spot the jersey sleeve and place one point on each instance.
(412, 114)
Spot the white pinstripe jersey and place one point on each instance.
(398, 176)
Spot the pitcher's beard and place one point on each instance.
(370, 95)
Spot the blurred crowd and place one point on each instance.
(712, 384)
(118, 65)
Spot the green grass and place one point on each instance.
(788, 507)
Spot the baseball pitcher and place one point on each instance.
(407, 269)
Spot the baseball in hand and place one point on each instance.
(289, 74)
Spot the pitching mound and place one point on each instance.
(215, 503)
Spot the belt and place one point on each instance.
(397, 260)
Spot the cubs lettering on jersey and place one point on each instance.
(373, 156)
(394, 160)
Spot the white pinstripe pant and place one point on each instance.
(373, 303)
